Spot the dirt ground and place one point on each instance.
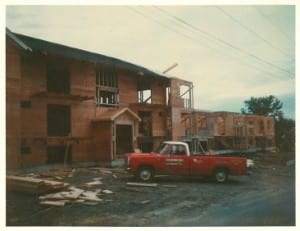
(175, 201)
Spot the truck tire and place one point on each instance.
(145, 174)
(221, 175)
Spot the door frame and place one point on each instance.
(114, 141)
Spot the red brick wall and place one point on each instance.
(34, 118)
(13, 119)
(102, 133)
(127, 89)
(158, 93)
(82, 76)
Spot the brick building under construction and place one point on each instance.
(69, 105)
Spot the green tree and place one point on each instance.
(271, 106)
(267, 106)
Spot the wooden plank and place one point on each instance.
(93, 183)
(142, 184)
(90, 196)
(29, 180)
(53, 196)
(145, 202)
(55, 184)
(32, 185)
(95, 199)
(23, 187)
(106, 191)
(54, 203)
(90, 203)
(74, 194)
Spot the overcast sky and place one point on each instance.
(230, 53)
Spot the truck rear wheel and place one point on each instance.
(145, 174)
(221, 175)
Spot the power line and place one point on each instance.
(165, 26)
(171, 29)
(274, 26)
(221, 51)
(224, 42)
(194, 40)
(251, 31)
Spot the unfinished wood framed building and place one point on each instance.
(229, 131)
(69, 105)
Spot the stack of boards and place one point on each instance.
(33, 185)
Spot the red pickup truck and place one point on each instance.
(174, 158)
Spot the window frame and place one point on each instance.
(107, 89)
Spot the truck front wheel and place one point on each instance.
(221, 175)
(145, 174)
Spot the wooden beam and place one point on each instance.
(142, 184)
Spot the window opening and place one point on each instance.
(107, 91)
(185, 94)
(58, 120)
(261, 126)
(58, 79)
(144, 91)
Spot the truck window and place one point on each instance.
(178, 150)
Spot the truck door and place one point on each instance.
(202, 165)
(177, 162)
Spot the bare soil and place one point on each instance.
(175, 201)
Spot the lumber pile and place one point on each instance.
(33, 185)
(63, 193)
(73, 196)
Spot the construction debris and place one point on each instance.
(32, 175)
(90, 196)
(75, 195)
(114, 176)
(107, 191)
(145, 202)
(33, 185)
(93, 183)
(142, 184)
(54, 203)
